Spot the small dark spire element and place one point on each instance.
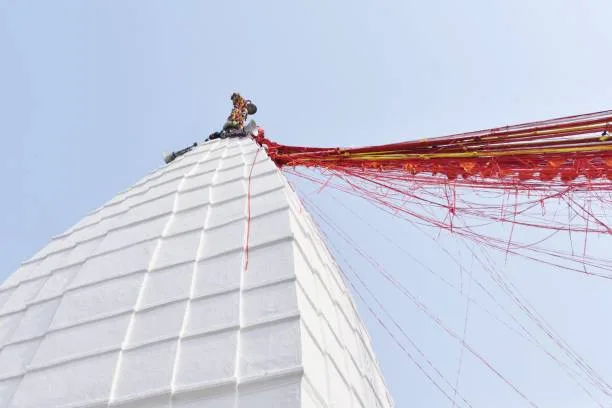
(170, 157)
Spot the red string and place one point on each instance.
(574, 151)
(462, 183)
(248, 231)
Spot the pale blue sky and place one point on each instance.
(92, 92)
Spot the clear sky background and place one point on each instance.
(92, 92)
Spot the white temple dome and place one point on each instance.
(146, 301)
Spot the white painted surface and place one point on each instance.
(146, 303)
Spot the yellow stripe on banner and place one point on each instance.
(401, 156)
(560, 130)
